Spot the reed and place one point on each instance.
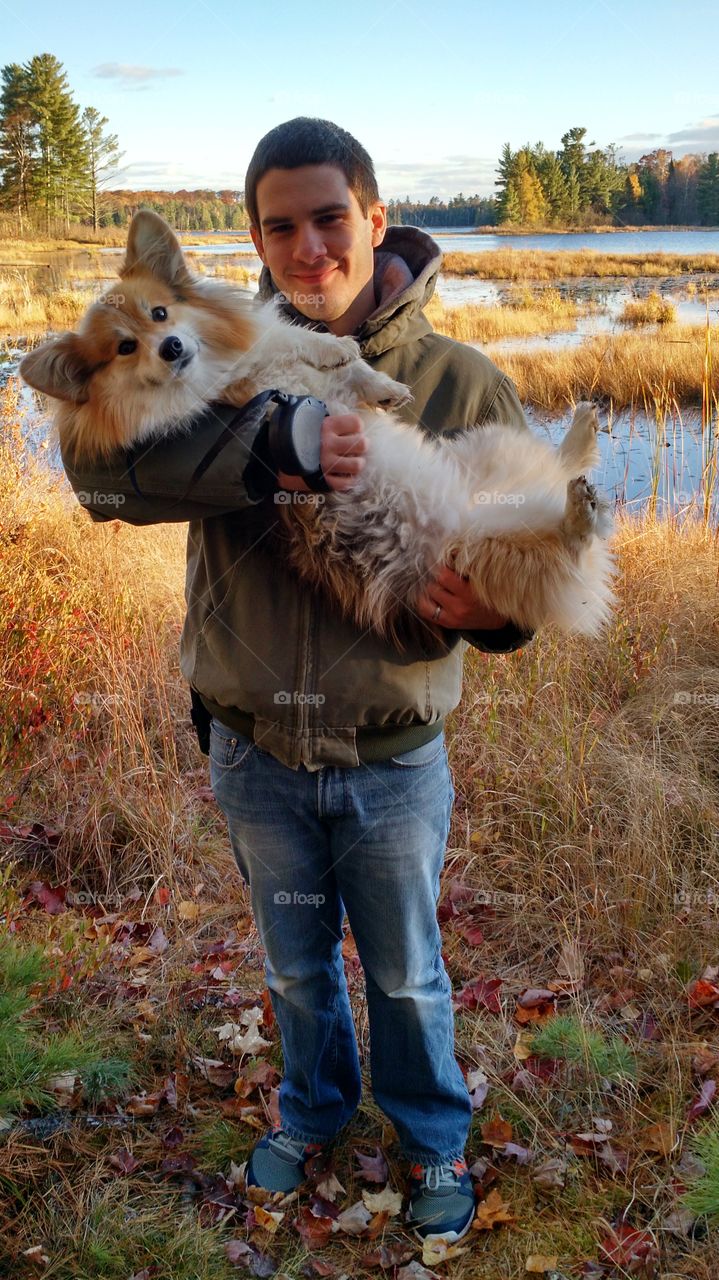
(624, 370)
(541, 264)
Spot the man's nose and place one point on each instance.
(309, 244)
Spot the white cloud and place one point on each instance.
(130, 76)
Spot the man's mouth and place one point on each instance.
(315, 277)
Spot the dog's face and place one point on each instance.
(157, 347)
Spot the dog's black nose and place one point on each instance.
(170, 349)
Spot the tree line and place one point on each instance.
(57, 161)
(581, 184)
(54, 155)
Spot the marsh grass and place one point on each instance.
(627, 369)
(542, 264)
(526, 313)
(654, 309)
(29, 307)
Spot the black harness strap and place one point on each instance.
(248, 411)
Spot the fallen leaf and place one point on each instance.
(659, 1137)
(388, 1255)
(267, 1220)
(538, 1264)
(187, 910)
(386, 1200)
(354, 1220)
(497, 1132)
(124, 1161)
(570, 964)
(492, 1212)
(550, 1176)
(373, 1168)
(703, 1101)
(330, 1188)
(480, 993)
(436, 1251)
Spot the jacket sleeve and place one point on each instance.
(505, 406)
(153, 484)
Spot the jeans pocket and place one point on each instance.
(229, 750)
(427, 754)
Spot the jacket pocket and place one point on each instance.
(418, 757)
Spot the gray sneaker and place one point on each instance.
(277, 1162)
(441, 1202)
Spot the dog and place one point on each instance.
(513, 514)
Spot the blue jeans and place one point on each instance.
(371, 841)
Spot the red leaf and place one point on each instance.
(480, 993)
(373, 1168)
(703, 1101)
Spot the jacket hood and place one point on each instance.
(407, 264)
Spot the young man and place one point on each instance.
(327, 754)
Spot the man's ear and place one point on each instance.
(153, 246)
(256, 235)
(378, 217)
(60, 368)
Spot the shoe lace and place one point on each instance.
(283, 1145)
(440, 1175)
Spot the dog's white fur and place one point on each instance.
(516, 514)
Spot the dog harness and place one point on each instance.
(288, 439)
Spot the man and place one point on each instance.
(326, 747)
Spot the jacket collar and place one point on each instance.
(407, 264)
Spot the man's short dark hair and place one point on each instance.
(308, 140)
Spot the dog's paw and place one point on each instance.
(325, 351)
(373, 388)
(582, 510)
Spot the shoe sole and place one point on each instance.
(449, 1237)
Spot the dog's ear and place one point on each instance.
(153, 246)
(60, 368)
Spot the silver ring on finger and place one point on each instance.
(437, 612)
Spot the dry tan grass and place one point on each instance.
(526, 312)
(541, 264)
(626, 370)
(25, 308)
(654, 309)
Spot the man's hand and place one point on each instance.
(342, 445)
(460, 608)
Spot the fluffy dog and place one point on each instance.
(513, 514)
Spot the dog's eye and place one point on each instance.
(159, 313)
(127, 346)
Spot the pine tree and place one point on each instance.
(507, 207)
(708, 191)
(103, 153)
(63, 153)
(18, 144)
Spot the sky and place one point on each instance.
(432, 90)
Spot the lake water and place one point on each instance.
(685, 242)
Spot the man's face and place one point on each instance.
(318, 244)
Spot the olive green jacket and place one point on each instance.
(265, 653)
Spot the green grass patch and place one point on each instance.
(568, 1040)
(702, 1197)
(31, 1057)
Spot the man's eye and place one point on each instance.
(159, 313)
(126, 347)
